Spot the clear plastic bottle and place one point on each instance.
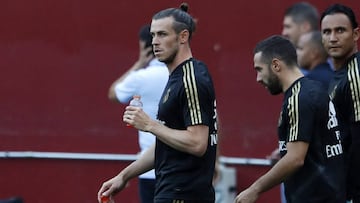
(135, 102)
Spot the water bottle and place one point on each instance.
(135, 102)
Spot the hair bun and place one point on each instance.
(184, 7)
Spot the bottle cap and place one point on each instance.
(104, 199)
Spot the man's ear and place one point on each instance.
(356, 34)
(184, 36)
(305, 27)
(275, 65)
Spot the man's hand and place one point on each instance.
(145, 56)
(137, 118)
(110, 188)
(274, 156)
(247, 196)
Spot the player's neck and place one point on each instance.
(182, 56)
(340, 62)
(289, 78)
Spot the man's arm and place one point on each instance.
(142, 62)
(136, 168)
(287, 165)
(193, 140)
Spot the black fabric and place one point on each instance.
(344, 91)
(309, 116)
(146, 190)
(188, 100)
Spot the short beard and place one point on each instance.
(169, 59)
(274, 85)
(173, 55)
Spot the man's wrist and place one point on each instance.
(153, 126)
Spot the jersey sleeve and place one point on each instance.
(353, 89)
(301, 112)
(197, 98)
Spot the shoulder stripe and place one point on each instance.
(354, 80)
(293, 108)
(192, 93)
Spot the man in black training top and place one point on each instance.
(186, 130)
(340, 33)
(311, 164)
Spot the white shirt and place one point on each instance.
(149, 83)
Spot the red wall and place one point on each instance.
(58, 59)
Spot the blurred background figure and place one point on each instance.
(300, 18)
(147, 78)
(312, 57)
